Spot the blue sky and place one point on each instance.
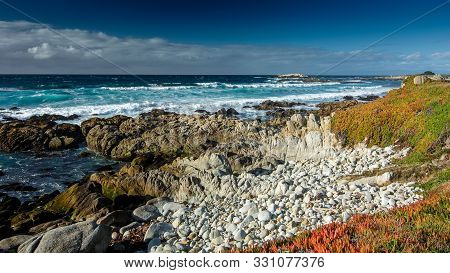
(226, 37)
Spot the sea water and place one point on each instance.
(104, 96)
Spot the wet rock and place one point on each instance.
(85, 154)
(38, 135)
(272, 105)
(2, 173)
(49, 117)
(230, 112)
(201, 111)
(81, 237)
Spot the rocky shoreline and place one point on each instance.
(198, 183)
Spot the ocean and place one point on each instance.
(22, 96)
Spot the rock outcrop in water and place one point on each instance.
(38, 134)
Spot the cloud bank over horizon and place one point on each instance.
(30, 48)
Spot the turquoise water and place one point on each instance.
(110, 95)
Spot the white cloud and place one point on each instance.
(27, 47)
(413, 57)
(44, 51)
(441, 55)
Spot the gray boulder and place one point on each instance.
(146, 213)
(13, 242)
(80, 237)
(156, 230)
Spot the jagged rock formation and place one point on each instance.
(170, 134)
(38, 134)
(303, 138)
(214, 149)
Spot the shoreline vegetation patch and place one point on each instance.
(416, 116)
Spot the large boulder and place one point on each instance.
(13, 242)
(81, 200)
(80, 237)
(38, 134)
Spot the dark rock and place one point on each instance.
(272, 105)
(368, 98)
(14, 108)
(47, 117)
(201, 111)
(106, 168)
(38, 135)
(5, 229)
(2, 173)
(17, 187)
(348, 98)
(128, 201)
(117, 218)
(9, 203)
(85, 154)
(45, 198)
(230, 112)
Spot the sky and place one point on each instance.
(224, 37)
